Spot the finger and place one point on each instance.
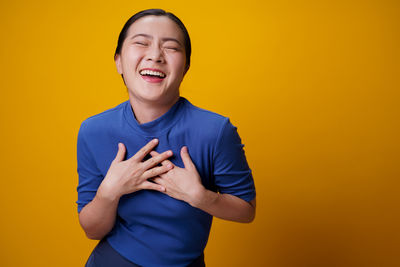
(154, 153)
(156, 171)
(151, 162)
(152, 186)
(164, 162)
(160, 181)
(139, 156)
(187, 161)
(121, 153)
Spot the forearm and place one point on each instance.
(97, 218)
(225, 206)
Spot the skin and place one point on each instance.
(154, 42)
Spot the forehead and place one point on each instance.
(156, 26)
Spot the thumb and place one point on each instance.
(121, 153)
(187, 161)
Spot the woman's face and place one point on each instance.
(152, 60)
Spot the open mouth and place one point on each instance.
(153, 73)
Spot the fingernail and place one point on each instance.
(169, 153)
(155, 141)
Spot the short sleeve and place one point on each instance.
(90, 176)
(231, 170)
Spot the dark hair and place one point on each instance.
(156, 12)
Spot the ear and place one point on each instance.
(118, 63)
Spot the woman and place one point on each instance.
(155, 169)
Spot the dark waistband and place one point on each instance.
(104, 252)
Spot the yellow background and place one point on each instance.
(313, 87)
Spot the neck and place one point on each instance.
(146, 112)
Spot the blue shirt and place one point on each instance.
(151, 228)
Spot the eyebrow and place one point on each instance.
(151, 37)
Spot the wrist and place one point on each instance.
(203, 198)
(108, 194)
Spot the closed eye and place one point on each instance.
(172, 48)
(140, 43)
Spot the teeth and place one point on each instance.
(153, 73)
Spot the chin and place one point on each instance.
(155, 97)
(153, 94)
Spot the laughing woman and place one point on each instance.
(154, 170)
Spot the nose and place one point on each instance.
(155, 54)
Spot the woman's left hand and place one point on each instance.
(181, 183)
(185, 184)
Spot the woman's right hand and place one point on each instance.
(128, 176)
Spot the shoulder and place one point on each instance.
(103, 120)
(202, 117)
(206, 123)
